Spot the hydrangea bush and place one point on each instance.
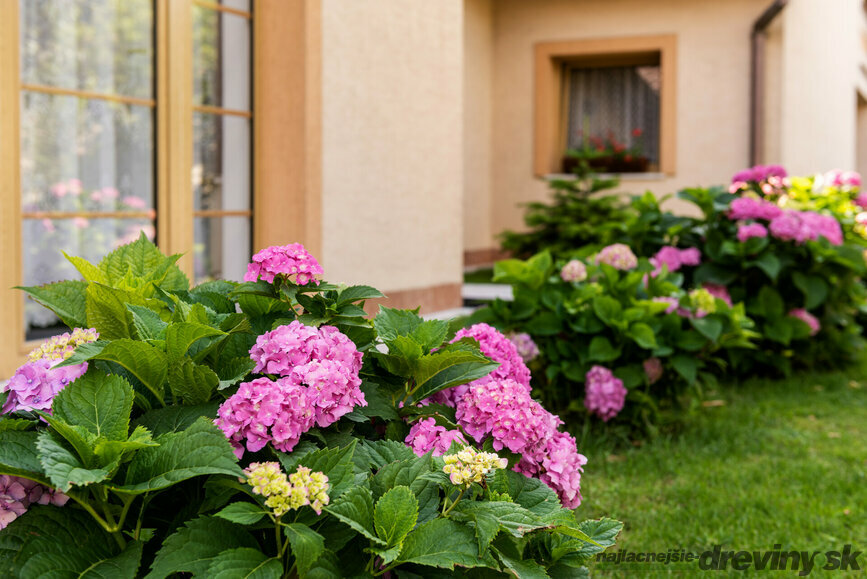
(271, 429)
(624, 339)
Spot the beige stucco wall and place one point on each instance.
(712, 85)
(392, 142)
(478, 85)
(821, 54)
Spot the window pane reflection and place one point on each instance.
(222, 248)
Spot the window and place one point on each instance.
(121, 116)
(620, 90)
(618, 104)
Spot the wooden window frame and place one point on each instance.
(286, 204)
(550, 105)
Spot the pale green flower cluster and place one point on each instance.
(283, 494)
(702, 301)
(469, 465)
(59, 348)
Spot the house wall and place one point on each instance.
(392, 144)
(712, 86)
(478, 86)
(813, 52)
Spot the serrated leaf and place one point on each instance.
(356, 293)
(147, 323)
(307, 545)
(441, 543)
(190, 382)
(194, 546)
(233, 371)
(530, 493)
(106, 311)
(355, 508)
(53, 542)
(511, 517)
(181, 336)
(452, 365)
(244, 563)
(522, 568)
(430, 334)
(81, 439)
(176, 418)
(123, 565)
(18, 456)
(242, 513)
(140, 359)
(200, 449)
(336, 463)
(87, 270)
(409, 473)
(13, 423)
(390, 323)
(97, 402)
(382, 452)
(395, 514)
(62, 467)
(141, 259)
(65, 298)
(117, 451)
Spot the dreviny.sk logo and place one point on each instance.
(777, 559)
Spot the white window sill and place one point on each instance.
(621, 176)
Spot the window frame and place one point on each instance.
(550, 105)
(286, 77)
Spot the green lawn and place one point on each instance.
(778, 462)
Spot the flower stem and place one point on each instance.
(448, 510)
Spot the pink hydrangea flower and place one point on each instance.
(751, 230)
(504, 410)
(842, 179)
(808, 319)
(653, 369)
(801, 226)
(618, 256)
(332, 391)
(861, 200)
(264, 411)
(750, 208)
(673, 258)
(296, 344)
(605, 394)
(17, 494)
(573, 271)
(35, 384)
(673, 303)
(498, 348)
(718, 291)
(526, 347)
(286, 260)
(562, 466)
(425, 436)
(760, 173)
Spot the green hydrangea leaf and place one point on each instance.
(62, 466)
(452, 365)
(395, 514)
(442, 543)
(147, 323)
(190, 382)
(511, 517)
(18, 456)
(193, 547)
(200, 449)
(356, 293)
(390, 323)
(176, 418)
(63, 542)
(307, 545)
(410, 473)
(65, 298)
(530, 493)
(97, 402)
(181, 336)
(142, 260)
(242, 513)
(142, 360)
(244, 563)
(522, 568)
(355, 508)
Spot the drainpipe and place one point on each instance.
(757, 65)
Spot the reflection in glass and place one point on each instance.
(85, 155)
(103, 46)
(221, 162)
(222, 248)
(221, 59)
